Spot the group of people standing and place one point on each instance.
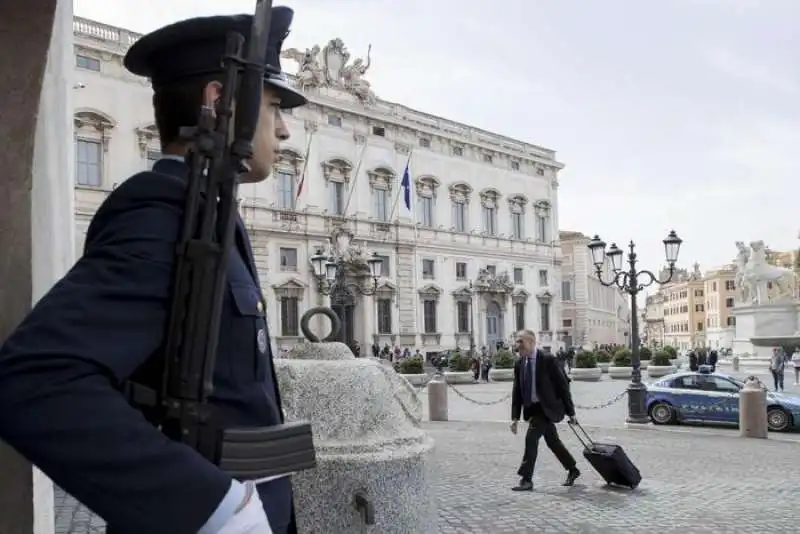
(698, 357)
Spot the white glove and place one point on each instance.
(250, 519)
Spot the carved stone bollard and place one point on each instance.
(374, 462)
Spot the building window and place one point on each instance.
(517, 226)
(730, 285)
(491, 269)
(462, 317)
(384, 316)
(714, 287)
(337, 198)
(428, 269)
(487, 158)
(288, 259)
(381, 199)
(700, 326)
(543, 281)
(567, 323)
(699, 307)
(544, 312)
(286, 192)
(540, 172)
(460, 216)
(89, 161)
(88, 63)
(384, 266)
(429, 316)
(729, 302)
(334, 120)
(519, 316)
(490, 220)
(461, 270)
(380, 131)
(731, 321)
(541, 227)
(458, 151)
(424, 142)
(519, 277)
(515, 165)
(290, 314)
(566, 290)
(152, 157)
(426, 211)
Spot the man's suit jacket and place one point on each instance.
(552, 389)
(61, 369)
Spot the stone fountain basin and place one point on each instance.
(775, 341)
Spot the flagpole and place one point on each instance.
(355, 178)
(302, 176)
(400, 186)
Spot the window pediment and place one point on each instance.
(94, 120)
(544, 296)
(146, 136)
(517, 203)
(290, 160)
(427, 186)
(381, 178)
(460, 192)
(385, 290)
(430, 292)
(542, 207)
(520, 295)
(462, 294)
(290, 288)
(336, 170)
(490, 197)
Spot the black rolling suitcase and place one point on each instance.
(609, 460)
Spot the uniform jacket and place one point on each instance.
(552, 389)
(62, 369)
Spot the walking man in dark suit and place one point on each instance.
(541, 395)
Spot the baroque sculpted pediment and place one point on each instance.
(330, 66)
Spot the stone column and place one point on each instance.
(36, 204)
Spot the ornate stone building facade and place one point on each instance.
(592, 313)
(477, 252)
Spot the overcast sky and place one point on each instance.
(675, 114)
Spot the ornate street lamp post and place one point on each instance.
(332, 280)
(471, 322)
(632, 282)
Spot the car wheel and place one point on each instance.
(662, 413)
(778, 419)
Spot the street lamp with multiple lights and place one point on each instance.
(332, 280)
(632, 282)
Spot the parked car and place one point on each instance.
(704, 397)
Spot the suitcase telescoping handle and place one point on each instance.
(582, 436)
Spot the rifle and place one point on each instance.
(215, 160)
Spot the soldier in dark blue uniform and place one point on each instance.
(63, 370)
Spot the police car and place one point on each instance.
(705, 397)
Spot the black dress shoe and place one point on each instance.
(572, 476)
(524, 485)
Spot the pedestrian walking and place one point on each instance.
(541, 396)
(777, 366)
(100, 330)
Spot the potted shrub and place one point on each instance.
(621, 364)
(503, 367)
(603, 360)
(411, 368)
(660, 365)
(645, 354)
(672, 352)
(585, 367)
(459, 368)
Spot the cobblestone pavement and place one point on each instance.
(477, 459)
(691, 484)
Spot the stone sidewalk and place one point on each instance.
(693, 483)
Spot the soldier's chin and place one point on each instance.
(254, 175)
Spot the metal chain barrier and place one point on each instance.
(479, 403)
(606, 404)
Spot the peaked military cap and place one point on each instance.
(195, 47)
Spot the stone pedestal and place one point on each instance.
(761, 321)
(368, 440)
(36, 192)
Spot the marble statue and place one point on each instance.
(310, 72)
(353, 76)
(328, 67)
(753, 274)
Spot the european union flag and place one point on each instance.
(405, 185)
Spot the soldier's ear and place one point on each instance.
(211, 93)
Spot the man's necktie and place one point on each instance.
(527, 377)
